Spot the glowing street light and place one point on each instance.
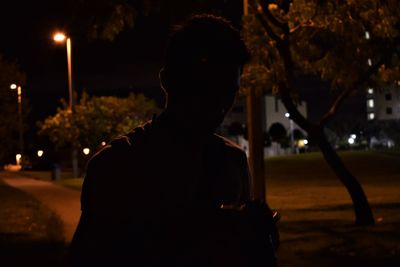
(60, 37)
(353, 136)
(40, 153)
(20, 126)
(287, 114)
(86, 151)
(18, 159)
(350, 141)
(305, 141)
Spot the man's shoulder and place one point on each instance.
(121, 147)
(230, 146)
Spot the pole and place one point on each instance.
(291, 136)
(255, 137)
(256, 146)
(20, 126)
(69, 59)
(74, 154)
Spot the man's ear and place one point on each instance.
(164, 79)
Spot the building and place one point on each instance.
(273, 111)
(383, 104)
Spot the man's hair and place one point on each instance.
(206, 39)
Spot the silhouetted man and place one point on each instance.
(150, 198)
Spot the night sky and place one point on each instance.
(128, 64)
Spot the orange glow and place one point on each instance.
(59, 37)
(13, 86)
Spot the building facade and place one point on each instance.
(383, 104)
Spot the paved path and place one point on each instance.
(64, 202)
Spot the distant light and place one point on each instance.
(351, 141)
(287, 114)
(370, 62)
(370, 91)
(353, 136)
(59, 37)
(13, 86)
(86, 151)
(40, 153)
(367, 36)
(371, 103)
(371, 116)
(18, 158)
(305, 141)
(103, 143)
(272, 7)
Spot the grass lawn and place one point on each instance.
(29, 233)
(317, 225)
(317, 221)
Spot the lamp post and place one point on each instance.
(60, 38)
(291, 128)
(255, 137)
(20, 126)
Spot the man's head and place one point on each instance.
(204, 59)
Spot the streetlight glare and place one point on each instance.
(287, 115)
(13, 86)
(40, 153)
(86, 151)
(59, 37)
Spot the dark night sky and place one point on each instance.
(130, 62)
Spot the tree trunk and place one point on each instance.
(361, 206)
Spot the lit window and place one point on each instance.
(371, 116)
(371, 103)
(370, 91)
(367, 36)
(370, 62)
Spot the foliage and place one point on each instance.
(96, 119)
(10, 73)
(327, 39)
(277, 132)
(102, 19)
(348, 43)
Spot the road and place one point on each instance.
(64, 202)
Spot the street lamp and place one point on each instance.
(60, 37)
(20, 126)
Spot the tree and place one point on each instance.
(96, 119)
(10, 73)
(277, 132)
(351, 44)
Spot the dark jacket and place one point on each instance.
(151, 198)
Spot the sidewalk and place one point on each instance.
(64, 202)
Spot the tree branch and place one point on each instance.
(272, 18)
(357, 85)
(264, 22)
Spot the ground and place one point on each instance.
(317, 224)
(30, 234)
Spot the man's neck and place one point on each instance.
(172, 119)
